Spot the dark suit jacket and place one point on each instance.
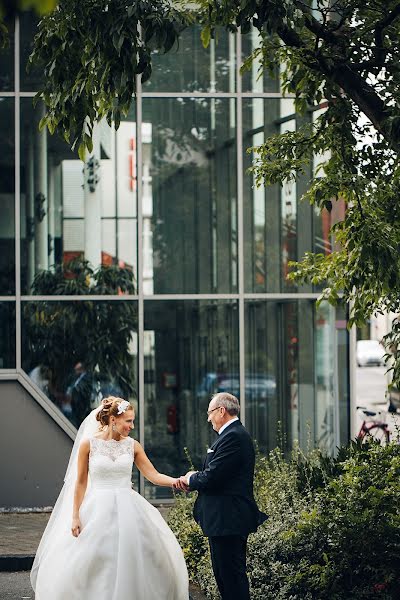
(225, 504)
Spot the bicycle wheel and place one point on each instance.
(377, 433)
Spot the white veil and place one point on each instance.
(61, 516)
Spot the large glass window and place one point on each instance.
(341, 371)
(7, 197)
(292, 387)
(78, 352)
(209, 69)
(7, 62)
(278, 228)
(257, 79)
(261, 214)
(78, 215)
(271, 334)
(189, 195)
(7, 335)
(30, 80)
(190, 352)
(326, 392)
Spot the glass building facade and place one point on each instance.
(157, 271)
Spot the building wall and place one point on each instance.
(34, 451)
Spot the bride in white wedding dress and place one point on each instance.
(103, 540)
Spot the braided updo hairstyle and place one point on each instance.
(110, 408)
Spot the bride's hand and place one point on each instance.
(76, 527)
(180, 484)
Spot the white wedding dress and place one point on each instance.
(125, 550)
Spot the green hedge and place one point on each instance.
(333, 530)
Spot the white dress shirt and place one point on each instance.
(227, 424)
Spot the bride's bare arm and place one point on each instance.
(148, 470)
(80, 486)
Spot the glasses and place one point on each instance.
(212, 410)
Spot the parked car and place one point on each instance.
(369, 353)
(257, 385)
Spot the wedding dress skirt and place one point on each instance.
(125, 550)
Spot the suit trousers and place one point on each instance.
(228, 557)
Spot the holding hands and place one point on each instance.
(182, 482)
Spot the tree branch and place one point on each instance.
(388, 20)
(348, 79)
(379, 29)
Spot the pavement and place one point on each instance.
(20, 534)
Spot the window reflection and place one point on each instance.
(289, 197)
(190, 352)
(189, 195)
(271, 372)
(75, 211)
(32, 79)
(325, 389)
(292, 388)
(76, 353)
(261, 215)
(7, 335)
(7, 200)
(256, 80)
(7, 61)
(278, 227)
(209, 69)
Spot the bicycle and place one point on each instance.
(374, 426)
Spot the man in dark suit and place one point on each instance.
(225, 508)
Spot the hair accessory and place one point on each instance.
(123, 407)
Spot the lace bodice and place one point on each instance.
(110, 463)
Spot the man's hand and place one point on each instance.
(182, 482)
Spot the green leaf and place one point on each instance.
(205, 36)
(43, 123)
(82, 151)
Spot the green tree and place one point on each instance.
(339, 55)
(91, 53)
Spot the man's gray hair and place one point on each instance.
(228, 401)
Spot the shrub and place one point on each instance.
(333, 530)
(348, 545)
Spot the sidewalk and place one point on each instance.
(20, 534)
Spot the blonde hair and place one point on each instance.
(110, 409)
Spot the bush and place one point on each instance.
(333, 530)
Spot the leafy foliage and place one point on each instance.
(91, 53)
(333, 528)
(60, 334)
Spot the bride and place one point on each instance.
(104, 541)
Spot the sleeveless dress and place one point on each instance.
(125, 550)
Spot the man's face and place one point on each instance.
(215, 415)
